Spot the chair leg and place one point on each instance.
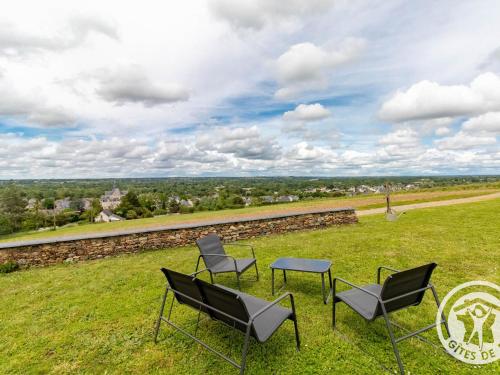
(256, 271)
(333, 314)
(157, 328)
(171, 308)
(245, 350)
(438, 303)
(297, 337)
(334, 303)
(238, 279)
(272, 281)
(197, 322)
(211, 278)
(393, 341)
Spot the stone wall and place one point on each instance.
(40, 253)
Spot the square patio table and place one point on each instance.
(304, 265)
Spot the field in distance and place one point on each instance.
(359, 203)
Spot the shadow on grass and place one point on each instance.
(225, 340)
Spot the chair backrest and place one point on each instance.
(404, 282)
(225, 301)
(211, 244)
(185, 284)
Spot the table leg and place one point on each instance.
(330, 290)
(284, 277)
(323, 286)
(272, 281)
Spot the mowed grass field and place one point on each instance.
(98, 317)
(358, 202)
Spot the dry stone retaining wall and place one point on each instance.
(41, 253)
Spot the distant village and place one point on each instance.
(112, 199)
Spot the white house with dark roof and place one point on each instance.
(106, 216)
(287, 198)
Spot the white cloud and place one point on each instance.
(442, 131)
(256, 14)
(49, 60)
(305, 66)
(305, 151)
(428, 100)
(400, 137)
(131, 85)
(307, 112)
(246, 143)
(32, 110)
(492, 62)
(489, 122)
(14, 41)
(464, 141)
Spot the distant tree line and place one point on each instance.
(148, 197)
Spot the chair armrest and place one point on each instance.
(195, 274)
(386, 268)
(275, 302)
(354, 286)
(219, 255)
(242, 244)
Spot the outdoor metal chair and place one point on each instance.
(400, 290)
(240, 311)
(217, 261)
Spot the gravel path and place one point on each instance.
(414, 206)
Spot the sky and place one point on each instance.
(104, 89)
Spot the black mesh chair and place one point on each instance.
(217, 261)
(400, 290)
(251, 315)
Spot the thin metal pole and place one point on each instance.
(334, 303)
(157, 328)
(297, 338)
(226, 358)
(245, 349)
(330, 278)
(416, 333)
(171, 306)
(438, 303)
(197, 322)
(272, 281)
(256, 271)
(393, 342)
(323, 286)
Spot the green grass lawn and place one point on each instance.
(97, 317)
(358, 202)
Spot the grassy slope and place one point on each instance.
(97, 317)
(360, 202)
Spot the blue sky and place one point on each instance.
(249, 87)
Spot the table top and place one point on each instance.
(301, 264)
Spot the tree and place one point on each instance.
(5, 227)
(77, 205)
(95, 208)
(237, 201)
(131, 214)
(13, 207)
(174, 207)
(48, 203)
